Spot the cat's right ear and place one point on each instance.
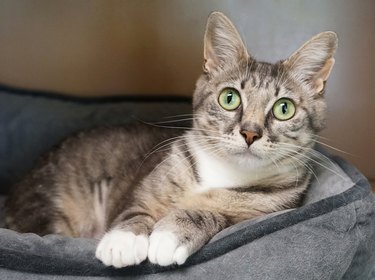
(312, 63)
(222, 44)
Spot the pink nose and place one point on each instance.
(250, 136)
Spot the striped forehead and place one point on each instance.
(253, 75)
(260, 75)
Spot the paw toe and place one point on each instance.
(122, 248)
(181, 255)
(165, 250)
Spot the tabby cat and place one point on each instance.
(245, 155)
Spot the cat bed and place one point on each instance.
(332, 236)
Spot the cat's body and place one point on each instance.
(254, 125)
(79, 188)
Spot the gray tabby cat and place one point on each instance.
(254, 125)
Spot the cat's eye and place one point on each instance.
(229, 99)
(284, 109)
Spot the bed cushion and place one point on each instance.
(332, 236)
(31, 122)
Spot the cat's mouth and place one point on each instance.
(250, 159)
(248, 153)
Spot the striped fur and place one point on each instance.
(167, 203)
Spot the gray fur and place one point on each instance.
(128, 180)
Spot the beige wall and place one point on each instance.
(142, 47)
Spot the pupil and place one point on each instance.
(229, 98)
(284, 108)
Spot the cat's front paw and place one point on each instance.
(122, 248)
(165, 249)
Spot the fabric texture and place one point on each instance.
(332, 236)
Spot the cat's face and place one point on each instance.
(257, 113)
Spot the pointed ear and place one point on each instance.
(222, 43)
(312, 63)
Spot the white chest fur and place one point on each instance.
(215, 172)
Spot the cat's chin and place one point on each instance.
(248, 158)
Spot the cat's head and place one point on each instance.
(254, 111)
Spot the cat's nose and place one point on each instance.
(250, 136)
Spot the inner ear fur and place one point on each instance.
(312, 63)
(222, 43)
(322, 76)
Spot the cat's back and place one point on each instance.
(104, 152)
(70, 180)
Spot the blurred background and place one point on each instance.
(139, 47)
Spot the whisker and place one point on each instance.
(178, 127)
(183, 115)
(301, 162)
(322, 137)
(295, 168)
(175, 121)
(166, 144)
(170, 143)
(197, 141)
(311, 151)
(317, 162)
(211, 149)
(207, 148)
(331, 147)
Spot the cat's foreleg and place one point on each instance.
(181, 233)
(127, 242)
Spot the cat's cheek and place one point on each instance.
(122, 248)
(165, 249)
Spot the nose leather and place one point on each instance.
(250, 136)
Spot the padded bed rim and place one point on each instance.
(10, 259)
(93, 100)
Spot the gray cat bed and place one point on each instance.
(332, 236)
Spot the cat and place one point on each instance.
(245, 155)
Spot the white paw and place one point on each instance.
(164, 249)
(122, 248)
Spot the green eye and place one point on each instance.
(229, 99)
(284, 109)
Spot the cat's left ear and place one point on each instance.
(222, 44)
(312, 63)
